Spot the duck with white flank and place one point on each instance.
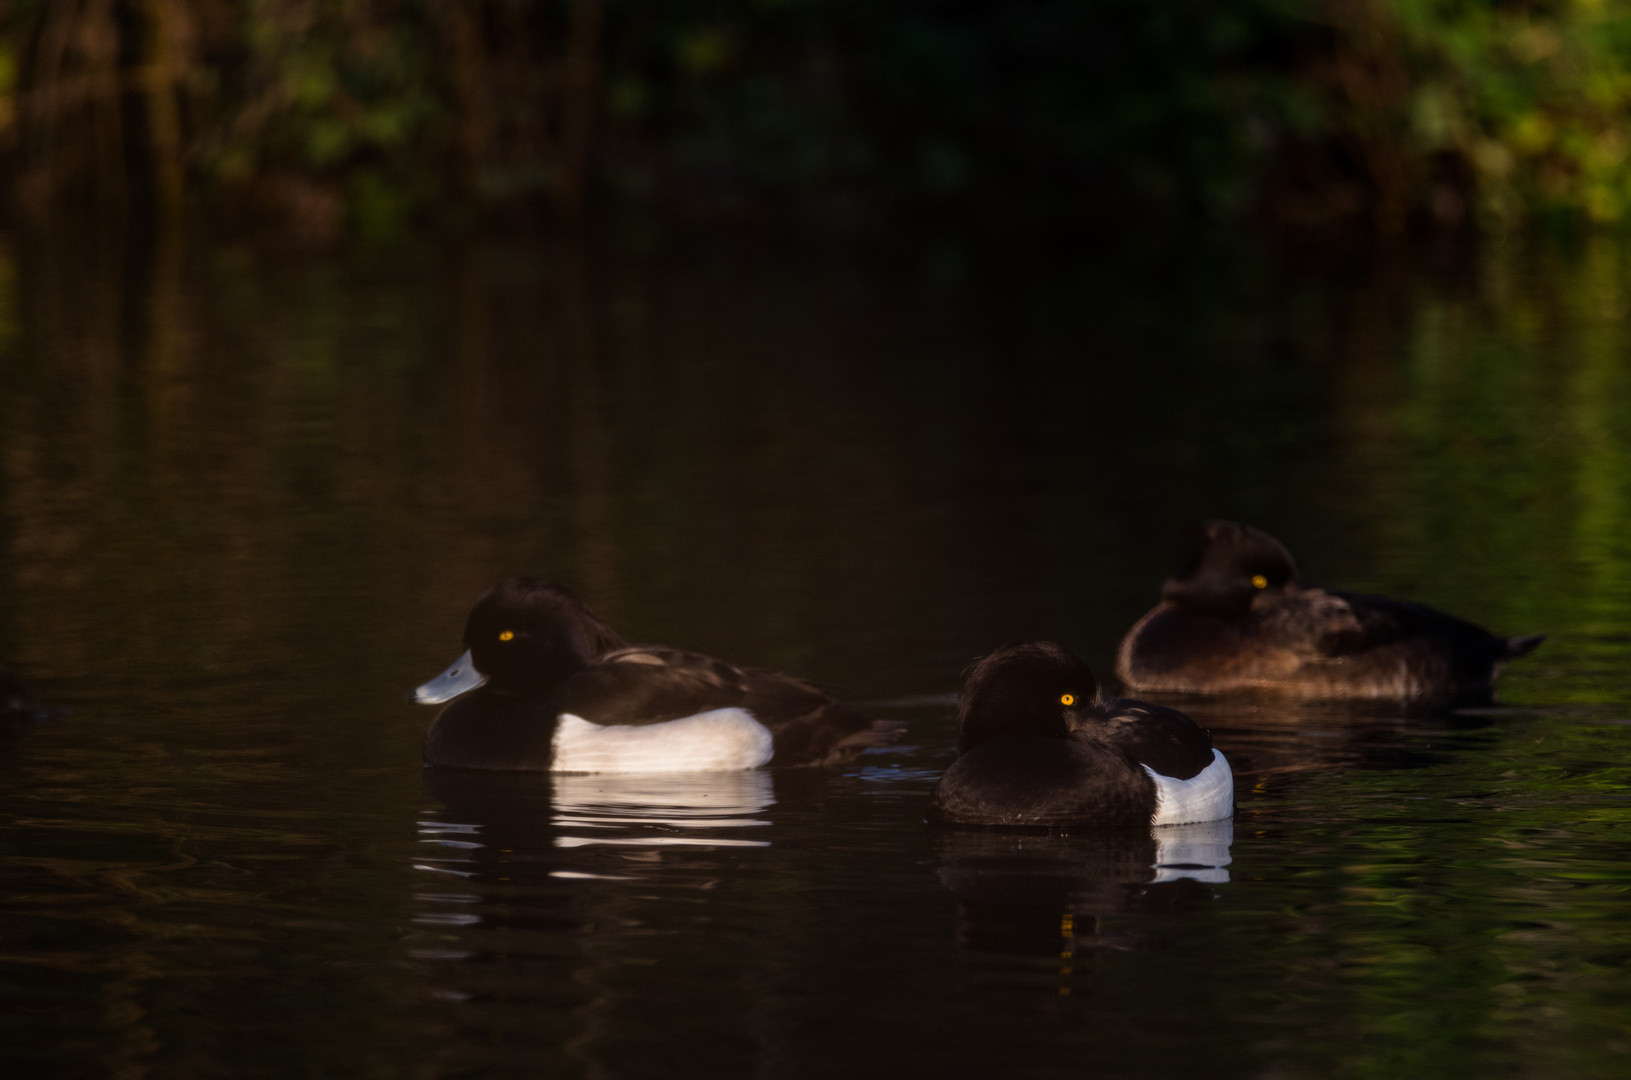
(1038, 746)
(543, 685)
(1236, 618)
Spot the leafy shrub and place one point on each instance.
(375, 113)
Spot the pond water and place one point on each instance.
(246, 499)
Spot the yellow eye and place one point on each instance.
(1068, 699)
(506, 635)
(1260, 581)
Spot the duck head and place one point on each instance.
(524, 636)
(1036, 689)
(1232, 565)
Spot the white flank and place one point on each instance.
(1206, 796)
(720, 739)
(1198, 850)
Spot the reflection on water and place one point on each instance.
(1088, 867)
(1198, 850)
(1277, 739)
(532, 816)
(556, 881)
(1020, 893)
(661, 810)
(245, 500)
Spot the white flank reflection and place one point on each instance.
(661, 809)
(711, 823)
(436, 833)
(685, 798)
(443, 870)
(446, 918)
(656, 841)
(1199, 850)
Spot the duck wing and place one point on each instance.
(810, 726)
(1165, 739)
(649, 684)
(1325, 624)
(1384, 621)
(1319, 624)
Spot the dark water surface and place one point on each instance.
(245, 501)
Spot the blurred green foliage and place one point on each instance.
(1388, 113)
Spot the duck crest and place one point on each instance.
(527, 635)
(1020, 691)
(1230, 565)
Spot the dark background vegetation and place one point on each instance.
(315, 118)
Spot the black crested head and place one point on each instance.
(528, 635)
(1231, 565)
(1023, 690)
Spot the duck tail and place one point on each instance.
(1523, 646)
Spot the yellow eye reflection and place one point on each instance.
(1068, 699)
(506, 635)
(1259, 581)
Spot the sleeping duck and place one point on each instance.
(543, 685)
(1038, 746)
(1236, 618)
